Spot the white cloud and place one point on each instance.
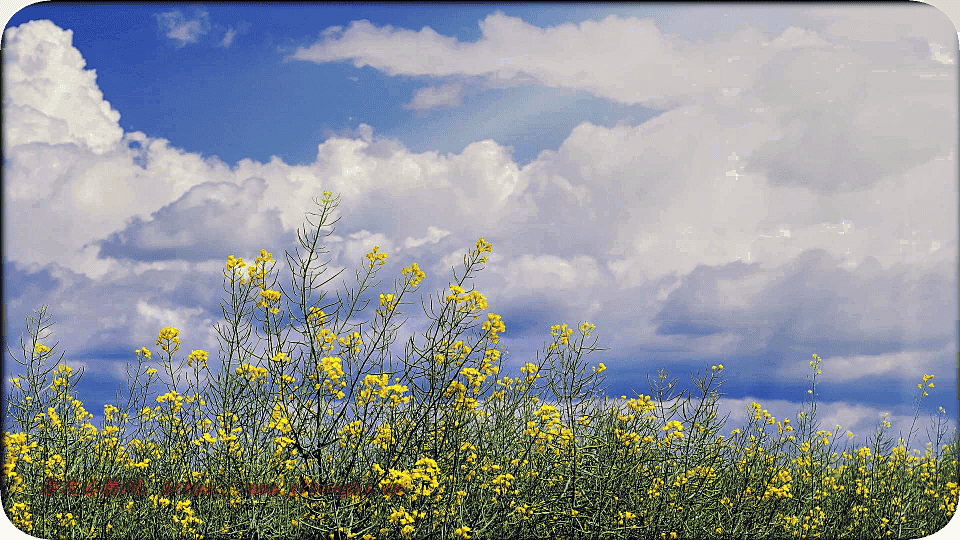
(49, 97)
(183, 30)
(190, 321)
(434, 235)
(549, 272)
(642, 226)
(794, 37)
(433, 97)
(231, 34)
(228, 37)
(588, 56)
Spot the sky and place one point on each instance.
(710, 184)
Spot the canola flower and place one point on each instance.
(336, 440)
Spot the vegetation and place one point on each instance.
(337, 438)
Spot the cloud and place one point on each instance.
(687, 238)
(187, 228)
(549, 272)
(228, 37)
(49, 97)
(891, 24)
(183, 30)
(433, 97)
(232, 33)
(660, 71)
(434, 235)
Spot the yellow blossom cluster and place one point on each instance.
(368, 394)
(482, 247)
(169, 335)
(256, 274)
(279, 420)
(677, 432)
(474, 300)
(375, 257)
(387, 301)
(200, 357)
(333, 369)
(351, 340)
(563, 332)
(416, 275)
(252, 373)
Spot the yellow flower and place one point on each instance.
(416, 275)
(375, 257)
(199, 356)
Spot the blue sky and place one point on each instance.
(288, 108)
(749, 195)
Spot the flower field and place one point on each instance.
(325, 434)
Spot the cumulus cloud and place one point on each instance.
(745, 225)
(49, 97)
(797, 79)
(179, 28)
(130, 206)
